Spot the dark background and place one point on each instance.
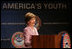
(60, 16)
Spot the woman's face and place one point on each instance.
(31, 22)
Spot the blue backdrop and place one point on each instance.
(53, 20)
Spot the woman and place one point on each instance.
(29, 30)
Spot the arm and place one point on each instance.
(27, 37)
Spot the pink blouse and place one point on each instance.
(28, 32)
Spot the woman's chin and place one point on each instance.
(33, 24)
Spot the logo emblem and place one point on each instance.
(18, 40)
(65, 40)
(38, 23)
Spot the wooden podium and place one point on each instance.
(45, 41)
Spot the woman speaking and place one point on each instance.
(29, 30)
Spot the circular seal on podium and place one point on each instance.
(64, 40)
(17, 40)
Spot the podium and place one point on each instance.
(45, 41)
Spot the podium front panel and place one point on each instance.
(45, 41)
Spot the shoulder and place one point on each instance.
(26, 28)
(36, 31)
(35, 28)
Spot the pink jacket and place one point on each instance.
(28, 32)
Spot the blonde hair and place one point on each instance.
(30, 14)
